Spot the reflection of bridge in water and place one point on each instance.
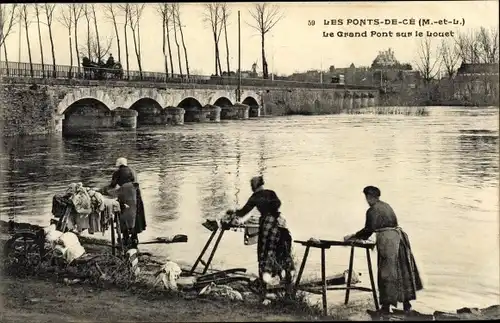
(78, 104)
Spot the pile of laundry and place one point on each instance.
(65, 245)
(169, 277)
(82, 208)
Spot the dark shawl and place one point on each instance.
(274, 243)
(122, 176)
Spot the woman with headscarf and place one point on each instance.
(274, 240)
(398, 276)
(132, 218)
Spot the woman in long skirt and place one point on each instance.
(274, 240)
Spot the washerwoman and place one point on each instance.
(274, 240)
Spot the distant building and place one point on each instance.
(477, 82)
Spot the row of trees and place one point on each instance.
(127, 19)
(264, 17)
(471, 47)
(96, 45)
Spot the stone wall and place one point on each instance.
(26, 111)
(312, 101)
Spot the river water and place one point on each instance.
(440, 174)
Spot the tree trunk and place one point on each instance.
(178, 47)
(126, 45)
(164, 47)
(227, 47)
(89, 52)
(40, 41)
(29, 46)
(97, 37)
(169, 47)
(216, 53)
(54, 72)
(76, 46)
(139, 55)
(135, 48)
(183, 45)
(265, 73)
(218, 59)
(6, 58)
(70, 52)
(117, 37)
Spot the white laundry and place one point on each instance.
(51, 234)
(70, 247)
(170, 271)
(221, 291)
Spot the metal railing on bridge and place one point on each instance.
(35, 70)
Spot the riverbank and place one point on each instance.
(30, 296)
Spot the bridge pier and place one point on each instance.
(338, 101)
(228, 113)
(242, 110)
(357, 101)
(347, 103)
(371, 100)
(173, 115)
(125, 118)
(254, 111)
(364, 100)
(204, 114)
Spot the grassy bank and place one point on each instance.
(45, 294)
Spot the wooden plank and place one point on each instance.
(318, 289)
(338, 279)
(328, 243)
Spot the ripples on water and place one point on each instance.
(440, 173)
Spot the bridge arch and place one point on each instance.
(254, 106)
(87, 106)
(223, 102)
(86, 114)
(148, 110)
(191, 107)
(84, 93)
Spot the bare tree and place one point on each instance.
(97, 51)
(135, 14)
(67, 21)
(96, 29)
(265, 17)
(37, 13)
(428, 62)
(225, 15)
(177, 15)
(125, 8)
(450, 57)
(112, 13)
(8, 18)
(174, 19)
(88, 14)
(77, 11)
(168, 20)
(49, 15)
(25, 18)
(213, 16)
(488, 45)
(162, 9)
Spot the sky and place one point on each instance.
(291, 46)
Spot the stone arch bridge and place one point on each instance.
(36, 106)
(102, 107)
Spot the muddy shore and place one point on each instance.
(45, 296)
